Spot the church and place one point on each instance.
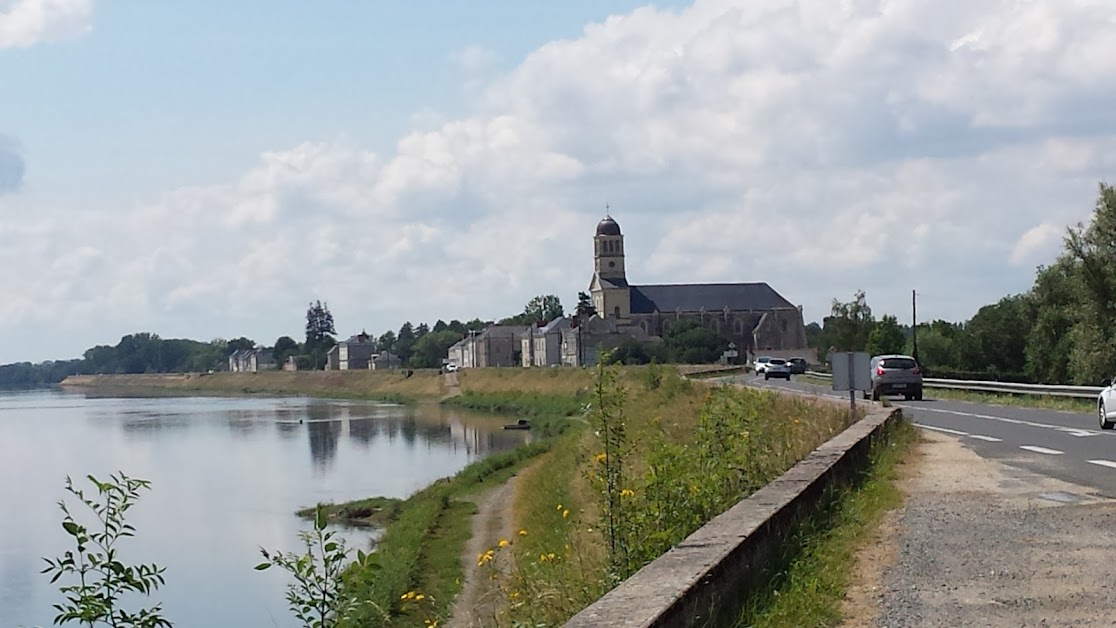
(752, 315)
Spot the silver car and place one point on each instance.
(896, 375)
(776, 367)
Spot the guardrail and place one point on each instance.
(1050, 390)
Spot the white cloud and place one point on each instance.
(1038, 243)
(820, 146)
(29, 22)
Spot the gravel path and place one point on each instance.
(479, 602)
(981, 543)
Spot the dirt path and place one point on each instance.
(479, 601)
(981, 543)
(450, 386)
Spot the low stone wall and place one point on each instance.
(709, 569)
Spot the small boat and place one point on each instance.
(522, 424)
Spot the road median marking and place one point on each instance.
(1103, 463)
(1072, 431)
(990, 439)
(941, 429)
(1041, 450)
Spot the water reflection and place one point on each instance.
(227, 476)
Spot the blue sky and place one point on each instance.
(205, 170)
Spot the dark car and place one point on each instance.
(896, 375)
(797, 366)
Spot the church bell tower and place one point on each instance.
(609, 289)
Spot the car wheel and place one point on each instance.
(1105, 424)
(918, 395)
(907, 397)
(766, 377)
(875, 394)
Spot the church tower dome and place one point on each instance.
(608, 227)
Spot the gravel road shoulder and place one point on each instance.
(982, 543)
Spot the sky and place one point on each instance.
(205, 170)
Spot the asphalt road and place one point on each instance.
(1068, 446)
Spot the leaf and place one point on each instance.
(72, 528)
(263, 566)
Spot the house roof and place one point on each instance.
(710, 296)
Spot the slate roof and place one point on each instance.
(714, 297)
(613, 283)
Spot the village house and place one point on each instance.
(498, 345)
(352, 354)
(251, 360)
(541, 345)
(384, 361)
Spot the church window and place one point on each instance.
(784, 326)
(739, 326)
(616, 311)
(612, 264)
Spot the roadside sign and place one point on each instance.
(851, 371)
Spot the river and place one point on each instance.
(227, 476)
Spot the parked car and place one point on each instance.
(1106, 404)
(776, 367)
(449, 368)
(896, 375)
(797, 366)
(761, 363)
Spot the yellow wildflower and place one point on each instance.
(542, 558)
(565, 513)
(522, 533)
(504, 543)
(419, 597)
(550, 556)
(601, 457)
(627, 493)
(558, 507)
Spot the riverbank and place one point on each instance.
(615, 444)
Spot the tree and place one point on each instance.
(405, 341)
(319, 333)
(1093, 251)
(421, 330)
(240, 344)
(688, 342)
(848, 325)
(585, 308)
(543, 308)
(886, 337)
(440, 325)
(995, 338)
(285, 346)
(428, 351)
(386, 342)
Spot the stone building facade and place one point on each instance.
(752, 315)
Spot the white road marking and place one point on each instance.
(1041, 450)
(1103, 463)
(941, 429)
(1072, 431)
(986, 438)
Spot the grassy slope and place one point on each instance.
(814, 573)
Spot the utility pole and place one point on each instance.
(914, 325)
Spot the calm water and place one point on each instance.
(227, 476)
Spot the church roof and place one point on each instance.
(614, 282)
(608, 227)
(711, 296)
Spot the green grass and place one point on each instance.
(421, 547)
(374, 511)
(810, 578)
(520, 403)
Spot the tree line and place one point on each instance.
(1061, 331)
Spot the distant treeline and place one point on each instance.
(135, 353)
(1061, 331)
